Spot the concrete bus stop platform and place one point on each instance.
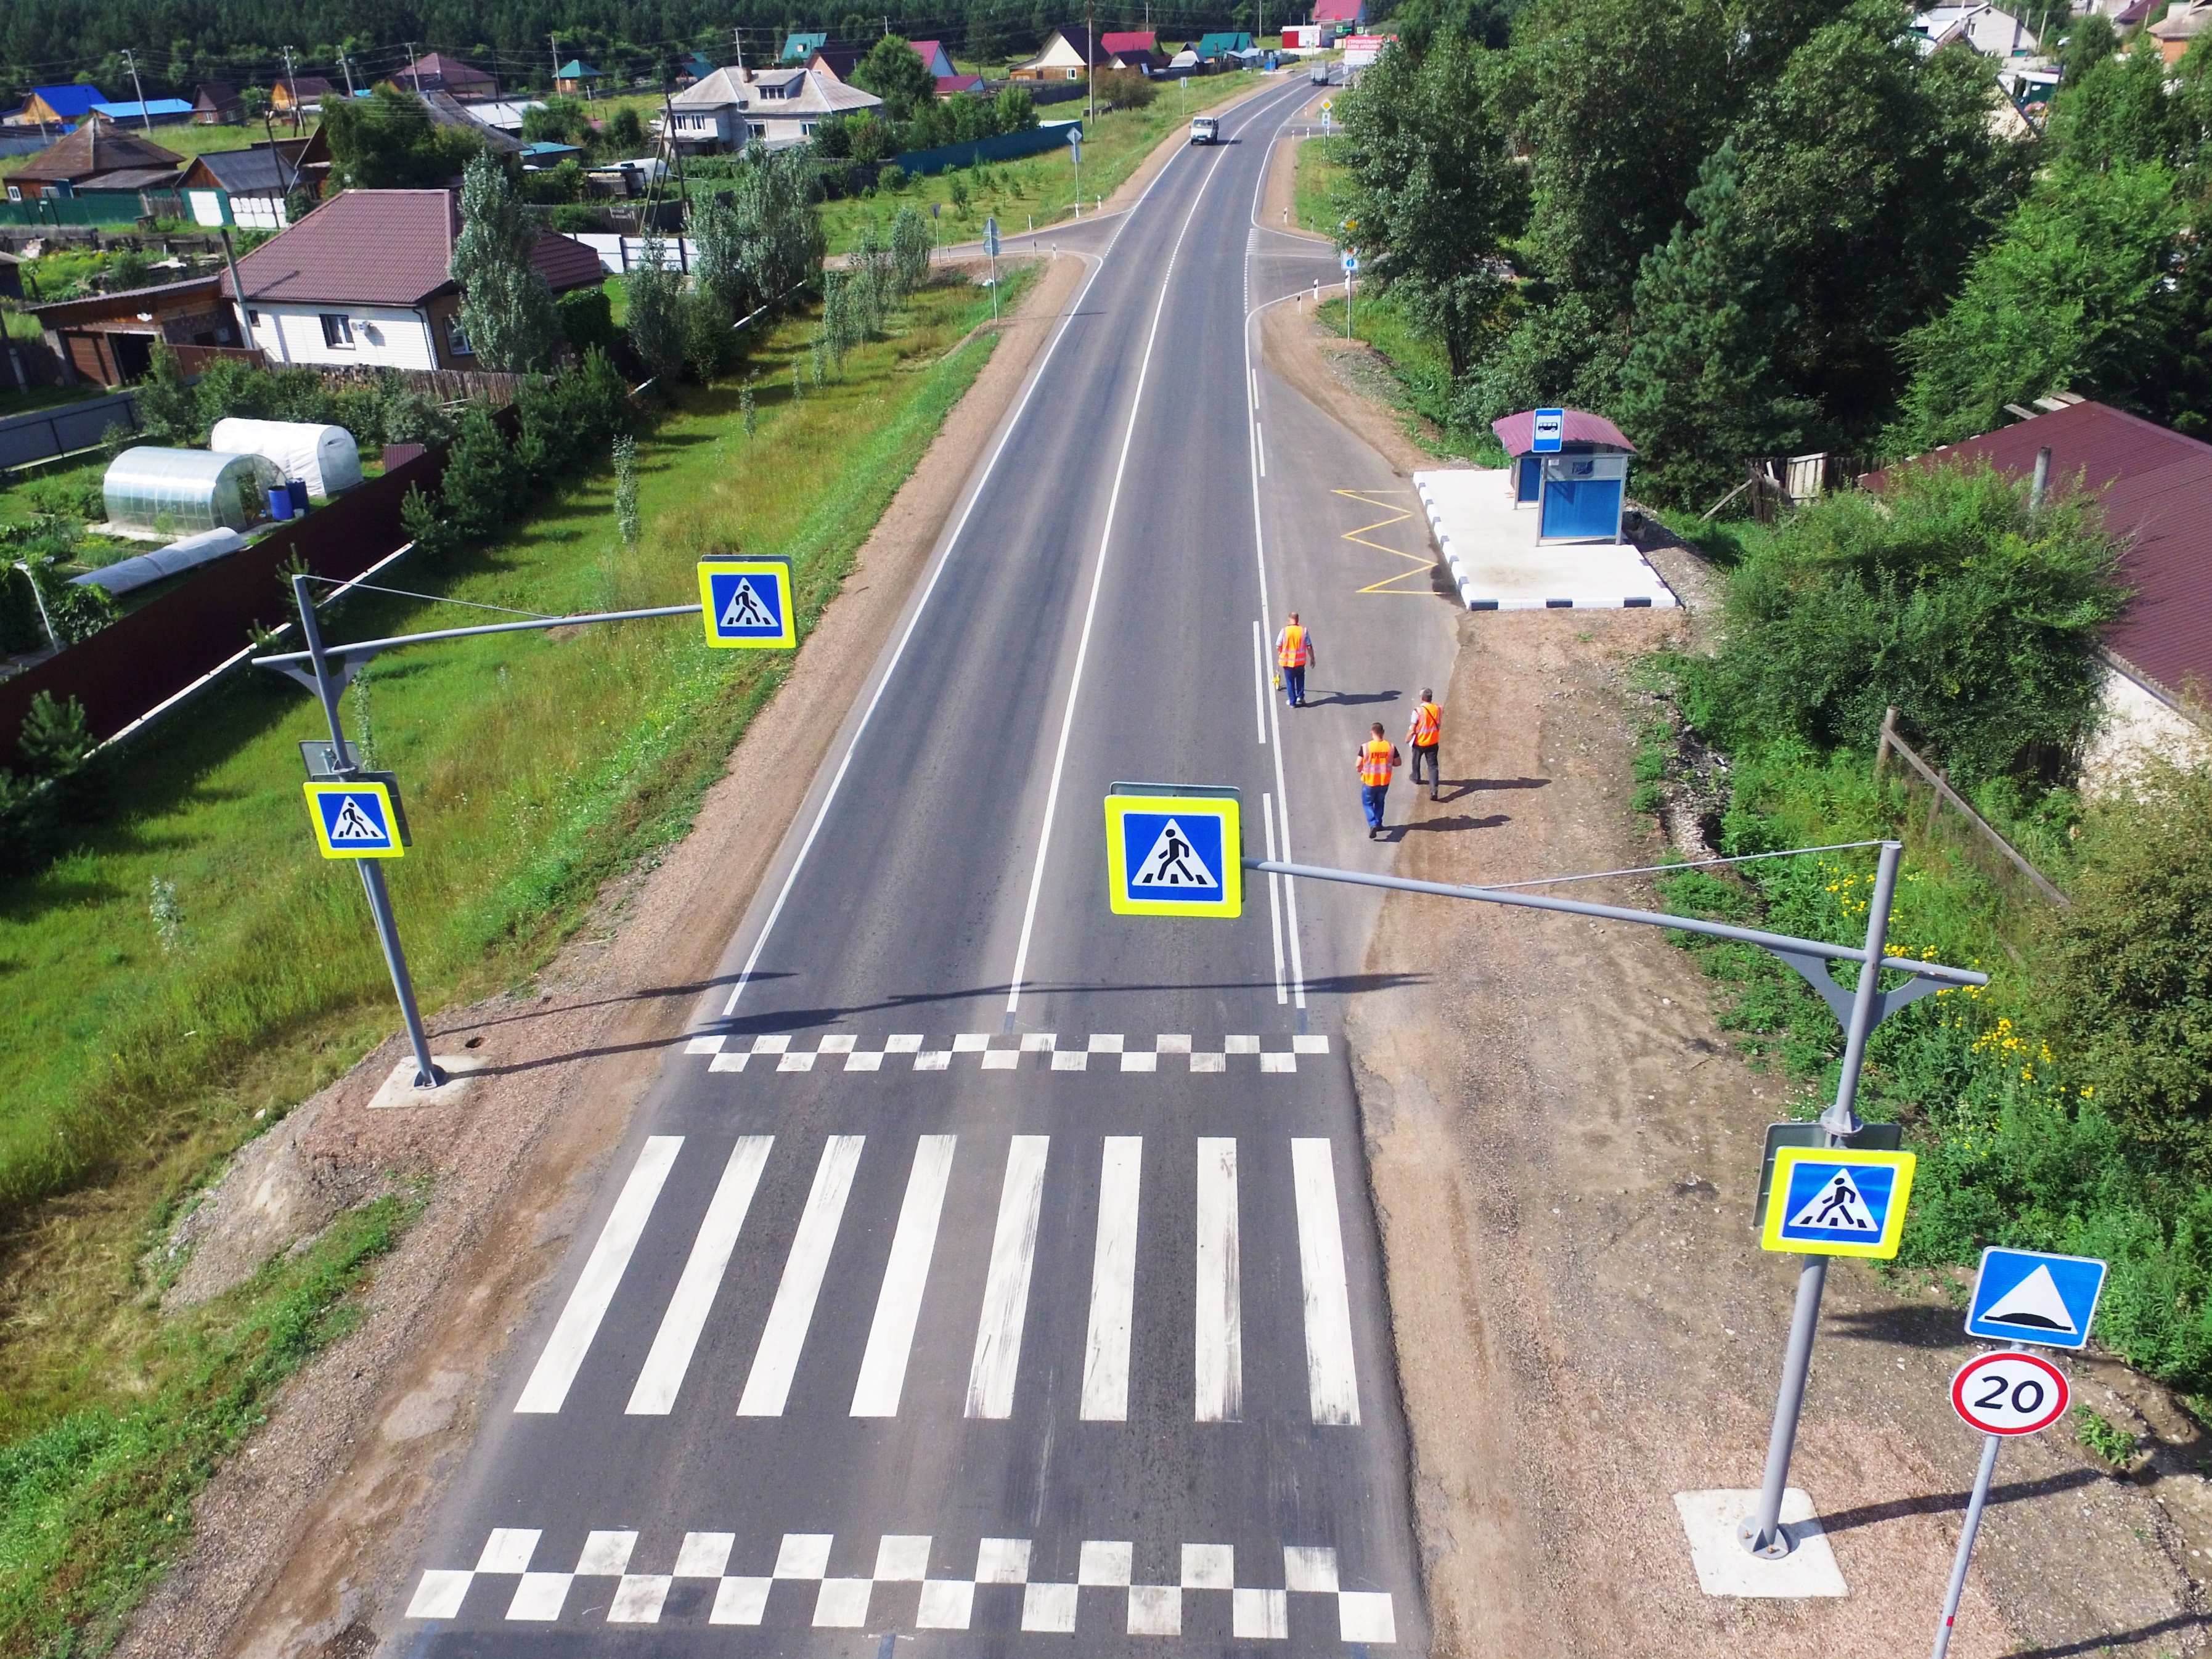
(1497, 564)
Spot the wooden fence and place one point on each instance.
(1942, 793)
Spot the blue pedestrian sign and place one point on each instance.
(1174, 850)
(1836, 1201)
(747, 603)
(355, 820)
(2032, 1296)
(1550, 430)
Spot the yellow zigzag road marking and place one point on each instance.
(1398, 515)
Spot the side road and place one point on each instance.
(289, 1537)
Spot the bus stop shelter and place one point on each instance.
(1578, 488)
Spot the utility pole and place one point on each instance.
(291, 80)
(130, 63)
(554, 39)
(1091, 63)
(345, 67)
(413, 69)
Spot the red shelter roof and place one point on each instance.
(1516, 432)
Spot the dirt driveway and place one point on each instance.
(1565, 1154)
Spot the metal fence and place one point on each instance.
(1941, 794)
(65, 429)
(1005, 146)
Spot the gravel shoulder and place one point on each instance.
(299, 1540)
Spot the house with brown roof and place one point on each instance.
(1068, 54)
(98, 156)
(365, 281)
(434, 71)
(217, 104)
(2155, 489)
(109, 337)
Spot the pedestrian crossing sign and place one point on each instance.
(1174, 850)
(355, 820)
(1831, 1200)
(747, 603)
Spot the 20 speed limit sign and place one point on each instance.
(2010, 1392)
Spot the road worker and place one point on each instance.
(1426, 731)
(1376, 757)
(1294, 654)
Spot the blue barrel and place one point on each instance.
(297, 489)
(280, 503)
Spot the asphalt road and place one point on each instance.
(992, 1272)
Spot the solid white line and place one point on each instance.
(1113, 1282)
(1220, 1392)
(1260, 446)
(768, 1384)
(1260, 683)
(587, 1304)
(1006, 1287)
(845, 762)
(1332, 1386)
(1091, 610)
(671, 1357)
(1274, 896)
(890, 1338)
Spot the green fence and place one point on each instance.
(109, 210)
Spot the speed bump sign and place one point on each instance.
(1832, 1200)
(1174, 850)
(747, 603)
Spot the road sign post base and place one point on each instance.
(1714, 1520)
(400, 1088)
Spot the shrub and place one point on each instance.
(910, 244)
(1125, 89)
(656, 312)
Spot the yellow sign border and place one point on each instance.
(781, 569)
(1787, 1159)
(326, 786)
(1227, 808)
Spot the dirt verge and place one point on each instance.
(296, 1537)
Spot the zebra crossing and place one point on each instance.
(1114, 1051)
(952, 1601)
(995, 1366)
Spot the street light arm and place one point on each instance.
(364, 649)
(1790, 950)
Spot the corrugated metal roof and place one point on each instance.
(2155, 487)
(1516, 432)
(385, 248)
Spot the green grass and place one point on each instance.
(186, 139)
(533, 768)
(1319, 179)
(1421, 374)
(1038, 187)
(94, 1505)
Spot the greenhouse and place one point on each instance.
(176, 492)
(325, 457)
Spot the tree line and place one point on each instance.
(1782, 227)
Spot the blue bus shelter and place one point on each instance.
(1573, 466)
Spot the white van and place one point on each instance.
(1205, 129)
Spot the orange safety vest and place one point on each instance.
(1292, 652)
(1375, 758)
(1428, 725)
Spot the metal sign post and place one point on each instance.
(991, 247)
(2002, 1394)
(1351, 264)
(1075, 145)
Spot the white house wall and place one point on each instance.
(382, 339)
(2132, 723)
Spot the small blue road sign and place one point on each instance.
(991, 237)
(1835, 1201)
(747, 603)
(353, 820)
(1173, 851)
(1550, 430)
(1350, 264)
(1075, 136)
(2032, 1295)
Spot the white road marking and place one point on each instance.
(1274, 897)
(1332, 1386)
(1113, 1282)
(890, 1338)
(769, 1385)
(1091, 610)
(602, 1276)
(1259, 713)
(679, 1337)
(1260, 444)
(1220, 1380)
(1006, 1287)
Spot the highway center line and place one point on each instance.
(1006, 1286)
(1090, 610)
(1332, 1384)
(768, 1386)
(1219, 1317)
(679, 1337)
(890, 1338)
(603, 1274)
(1113, 1282)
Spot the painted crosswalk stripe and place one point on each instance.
(679, 1337)
(890, 1338)
(1332, 1387)
(1006, 1286)
(602, 1271)
(768, 1384)
(1220, 1367)
(1113, 1282)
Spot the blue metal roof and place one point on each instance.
(132, 111)
(69, 101)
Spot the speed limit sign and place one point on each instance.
(2010, 1392)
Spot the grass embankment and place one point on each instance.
(2027, 1111)
(184, 138)
(142, 1038)
(1037, 188)
(1317, 184)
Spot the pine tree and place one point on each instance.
(506, 307)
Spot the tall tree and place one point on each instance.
(894, 71)
(506, 306)
(387, 141)
(1435, 194)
